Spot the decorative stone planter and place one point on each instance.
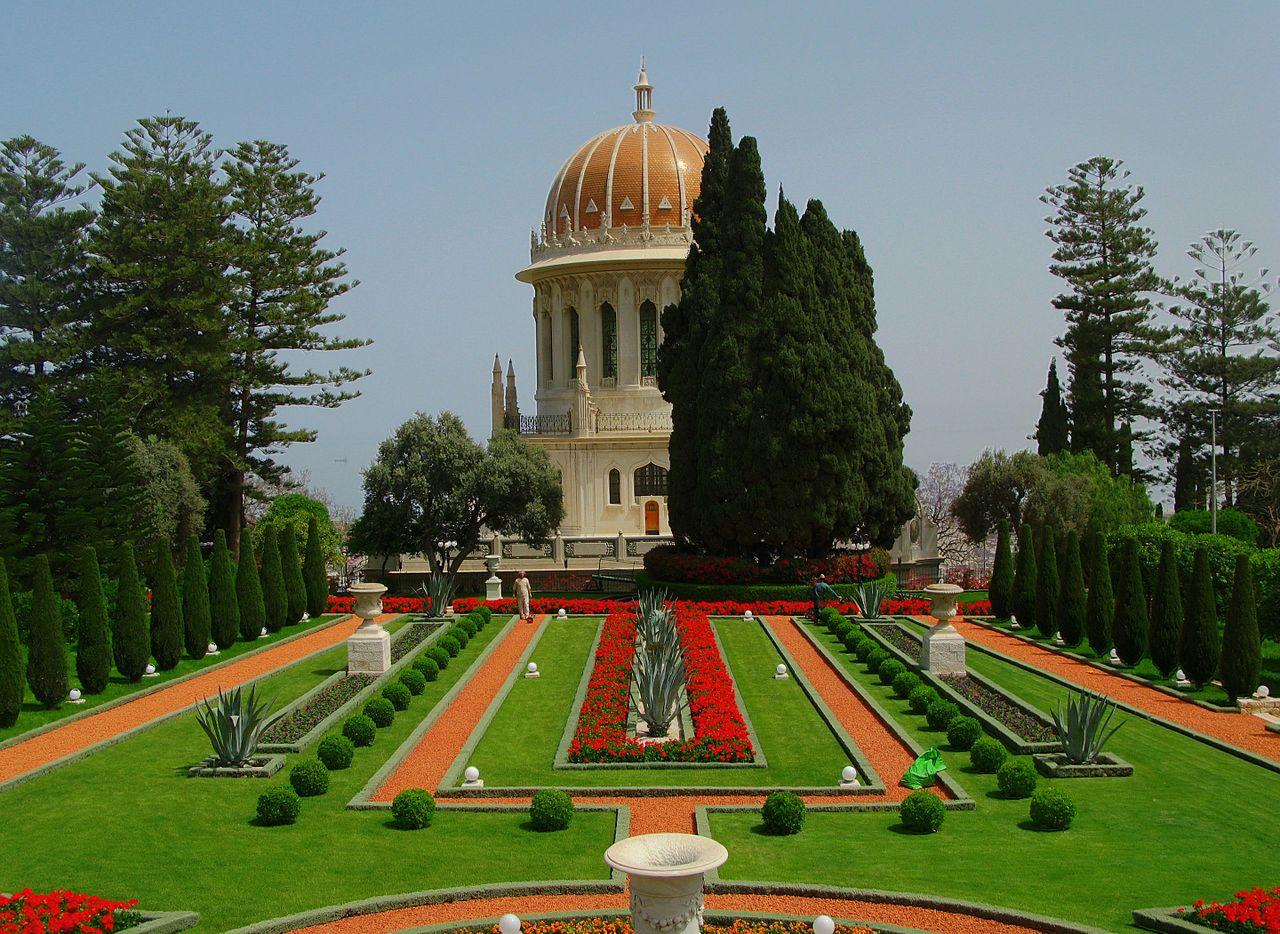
(369, 647)
(493, 584)
(665, 871)
(1055, 765)
(943, 652)
(257, 767)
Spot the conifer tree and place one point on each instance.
(253, 613)
(1241, 641)
(196, 620)
(46, 645)
(274, 597)
(1166, 612)
(294, 587)
(11, 681)
(1052, 429)
(1048, 585)
(224, 607)
(1198, 644)
(1100, 606)
(93, 651)
(1000, 588)
(313, 571)
(130, 640)
(1024, 580)
(166, 609)
(1071, 602)
(1129, 626)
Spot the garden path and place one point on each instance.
(73, 739)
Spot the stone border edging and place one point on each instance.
(1165, 920)
(166, 922)
(714, 915)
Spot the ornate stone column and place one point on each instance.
(369, 647)
(943, 646)
(666, 871)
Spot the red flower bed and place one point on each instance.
(667, 564)
(389, 604)
(1254, 911)
(720, 733)
(28, 912)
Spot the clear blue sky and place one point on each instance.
(929, 128)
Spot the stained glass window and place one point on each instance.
(574, 341)
(648, 340)
(651, 480)
(609, 335)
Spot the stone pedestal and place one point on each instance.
(944, 647)
(665, 871)
(369, 647)
(493, 584)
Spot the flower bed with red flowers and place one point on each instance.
(1253, 911)
(720, 733)
(666, 563)
(29, 912)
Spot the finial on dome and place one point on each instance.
(644, 96)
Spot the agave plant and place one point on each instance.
(1082, 727)
(655, 625)
(871, 596)
(234, 725)
(438, 591)
(657, 677)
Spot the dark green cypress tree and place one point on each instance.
(46, 645)
(1198, 645)
(253, 613)
(1129, 626)
(1000, 589)
(1052, 429)
(1048, 586)
(1241, 642)
(294, 587)
(1166, 612)
(11, 682)
(1100, 606)
(166, 609)
(1071, 601)
(314, 573)
(274, 597)
(224, 608)
(196, 621)
(1024, 580)
(93, 651)
(130, 640)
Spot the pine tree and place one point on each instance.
(274, 596)
(253, 613)
(224, 607)
(1024, 580)
(196, 620)
(1189, 481)
(131, 641)
(46, 645)
(294, 587)
(1198, 645)
(11, 681)
(1100, 606)
(1130, 624)
(166, 609)
(314, 573)
(93, 651)
(1052, 430)
(1072, 602)
(1241, 642)
(111, 478)
(1166, 612)
(1000, 588)
(1048, 585)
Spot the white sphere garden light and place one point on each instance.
(532, 668)
(849, 775)
(747, 615)
(509, 924)
(73, 695)
(211, 647)
(823, 924)
(151, 669)
(1263, 692)
(561, 613)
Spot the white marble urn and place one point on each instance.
(369, 647)
(943, 646)
(666, 872)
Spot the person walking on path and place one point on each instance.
(822, 590)
(524, 597)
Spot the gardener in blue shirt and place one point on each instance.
(821, 590)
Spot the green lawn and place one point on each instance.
(126, 822)
(1190, 822)
(34, 714)
(518, 749)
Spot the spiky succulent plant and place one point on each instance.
(234, 725)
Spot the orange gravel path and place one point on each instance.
(77, 735)
(1241, 730)
(426, 764)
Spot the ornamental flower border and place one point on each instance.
(1252, 910)
(29, 912)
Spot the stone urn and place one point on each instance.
(943, 646)
(493, 584)
(369, 647)
(665, 871)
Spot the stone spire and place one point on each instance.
(496, 407)
(512, 408)
(581, 413)
(644, 96)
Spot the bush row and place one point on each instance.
(668, 564)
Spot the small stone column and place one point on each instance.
(666, 871)
(493, 585)
(943, 647)
(369, 647)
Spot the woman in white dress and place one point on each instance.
(524, 597)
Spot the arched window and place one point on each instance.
(651, 480)
(648, 340)
(544, 350)
(615, 487)
(609, 342)
(574, 341)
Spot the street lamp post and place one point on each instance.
(1213, 471)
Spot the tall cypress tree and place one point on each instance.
(93, 651)
(274, 597)
(224, 606)
(1100, 607)
(1071, 602)
(1241, 642)
(314, 573)
(196, 619)
(253, 613)
(11, 682)
(1000, 588)
(1024, 580)
(1166, 612)
(130, 640)
(294, 587)
(46, 645)
(1198, 644)
(1130, 624)
(1052, 429)
(166, 609)
(1048, 585)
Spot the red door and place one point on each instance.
(651, 517)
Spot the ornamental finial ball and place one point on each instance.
(782, 669)
(533, 667)
(73, 694)
(1263, 691)
(509, 924)
(211, 647)
(471, 774)
(848, 773)
(823, 925)
(561, 613)
(746, 615)
(151, 669)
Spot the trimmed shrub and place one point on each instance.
(1024, 580)
(398, 694)
(1231, 522)
(940, 714)
(1129, 627)
(550, 809)
(224, 609)
(783, 813)
(130, 642)
(1198, 646)
(380, 711)
(336, 752)
(166, 611)
(921, 698)
(1166, 613)
(360, 730)
(486, 612)
(274, 598)
(864, 649)
(197, 624)
(459, 635)
(877, 658)
(890, 669)
(922, 812)
(450, 645)
(469, 625)
(1241, 644)
(46, 648)
(1071, 599)
(853, 640)
(987, 754)
(11, 685)
(905, 683)
(439, 656)
(1100, 605)
(1052, 810)
(309, 778)
(412, 679)
(295, 587)
(1016, 779)
(314, 574)
(413, 808)
(1048, 586)
(253, 612)
(1000, 589)
(830, 617)
(963, 732)
(842, 629)
(93, 650)
(427, 667)
(278, 806)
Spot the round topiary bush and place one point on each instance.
(889, 670)
(864, 649)
(1016, 779)
(459, 635)
(783, 813)
(940, 713)
(922, 812)
(963, 732)
(469, 625)
(412, 679)
(398, 694)
(360, 730)
(842, 629)
(380, 711)
(1052, 810)
(876, 659)
(852, 641)
(413, 808)
(905, 683)
(279, 805)
(439, 656)
(484, 611)
(336, 752)
(427, 666)
(450, 645)
(920, 698)
(550, 809)
(309, 778)
(987, 754)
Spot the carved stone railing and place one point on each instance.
(633, 421)
(543, 243)
(558, 424)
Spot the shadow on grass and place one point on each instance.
(1035, 828)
